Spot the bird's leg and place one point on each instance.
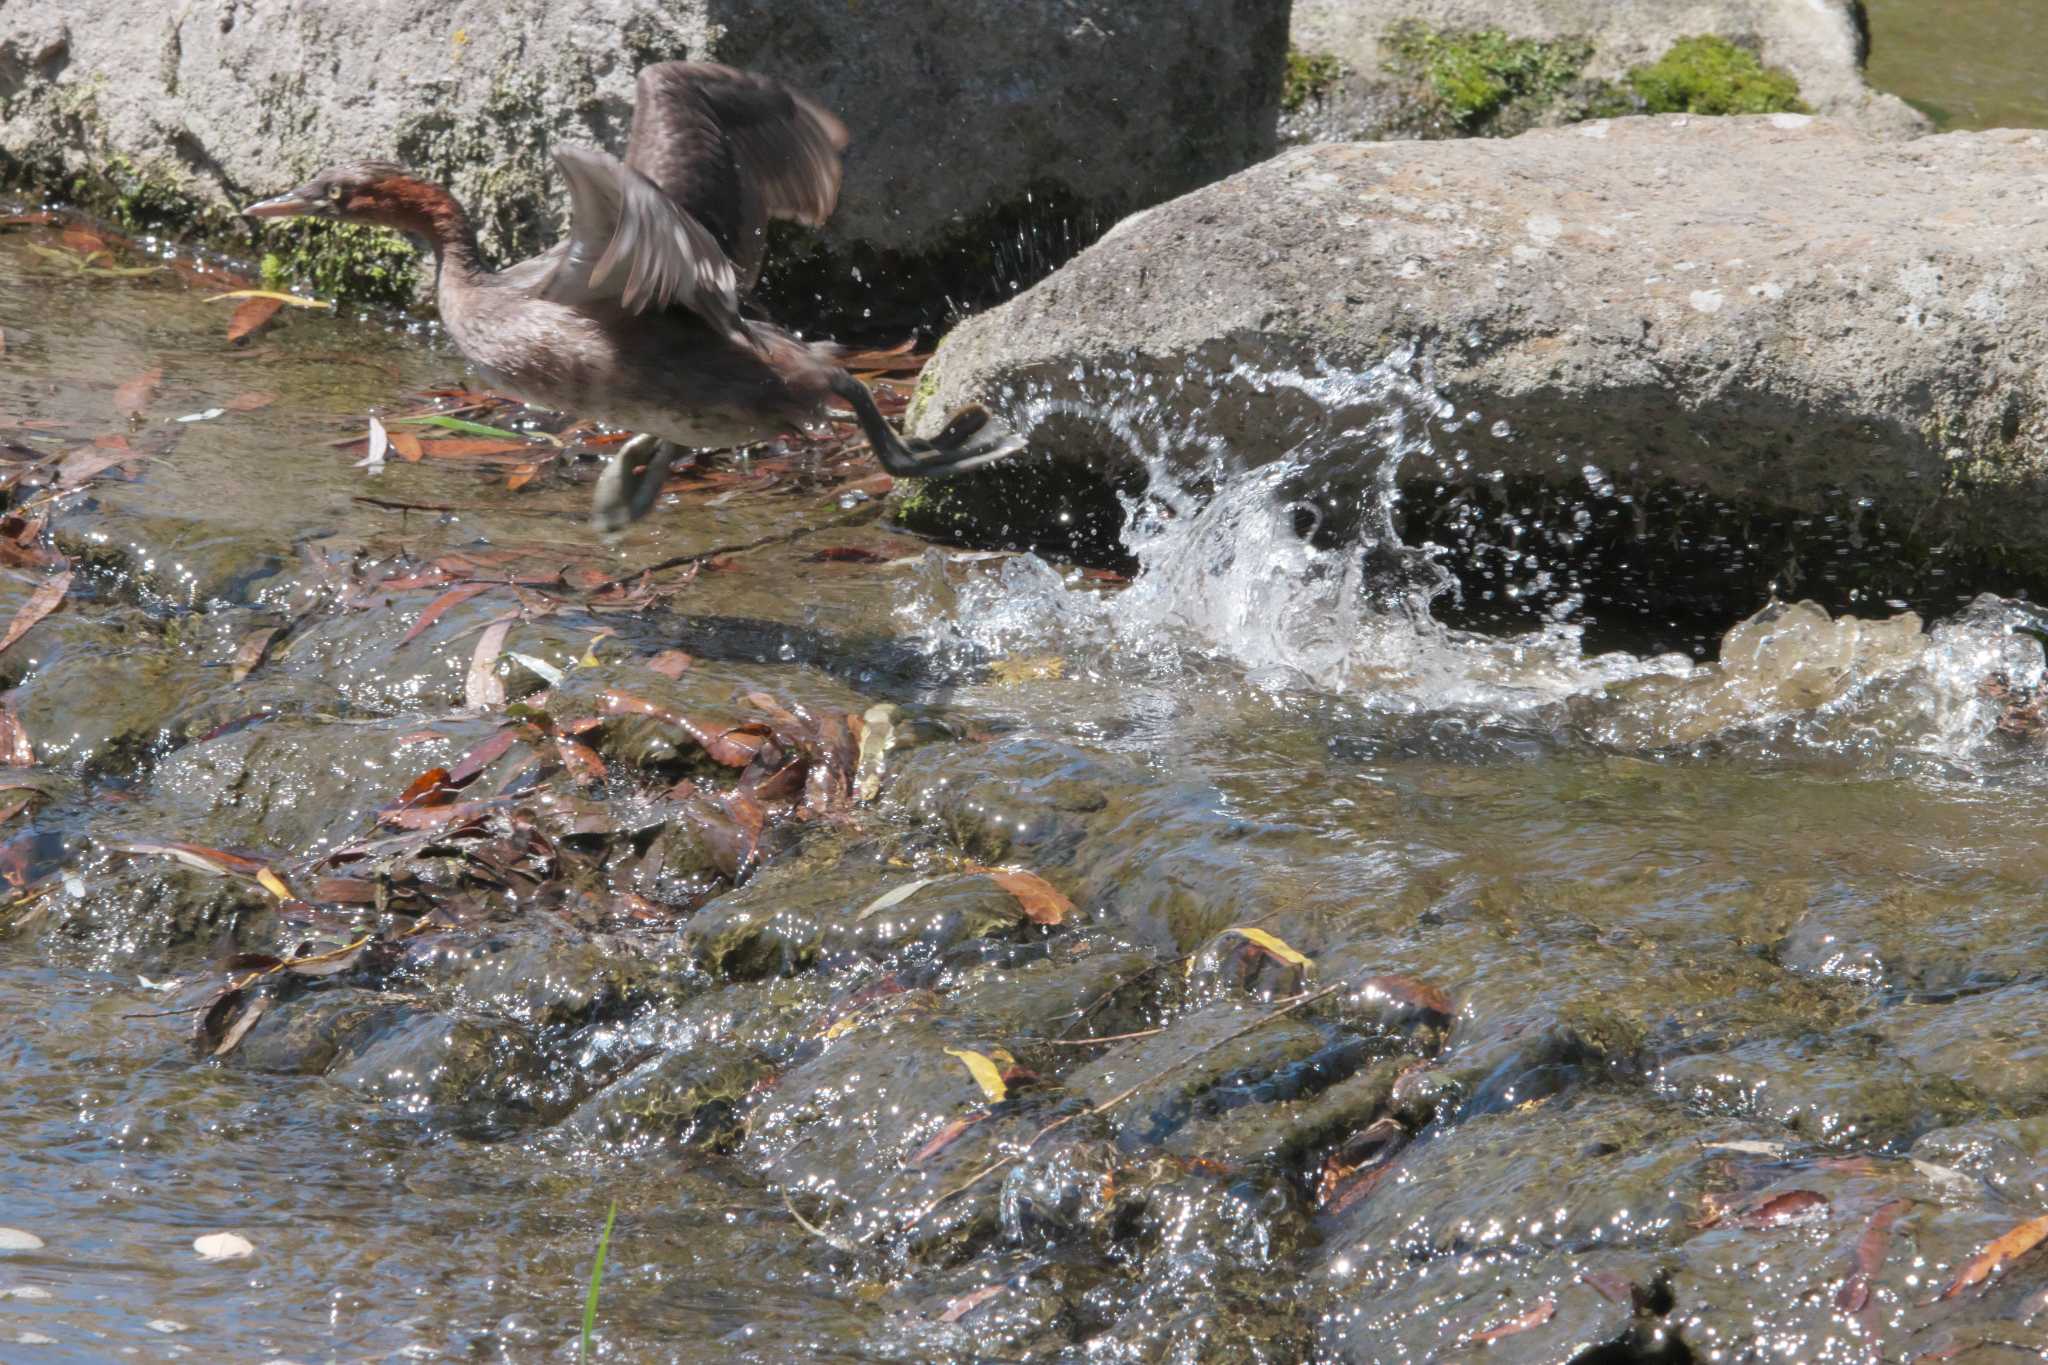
(625, 492)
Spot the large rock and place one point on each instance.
(1820, 43)
(1031, 118)
(1771, 316)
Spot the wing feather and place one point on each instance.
(630, 241)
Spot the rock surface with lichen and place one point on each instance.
(1772, 313)
(985, 133)
(1362, 70)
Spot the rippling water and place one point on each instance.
(1644, 942)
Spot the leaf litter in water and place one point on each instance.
(294, 300)
(132, 397)
(1273, 946)
(40, 603)
(251, 314)
(484, 689)
(2010, 1247)
(986, 1073)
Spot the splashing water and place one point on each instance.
(1234, 569)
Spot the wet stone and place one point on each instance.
(1994, 1044)
(2009, 1155)
(480, 1078)
(1844, 1092)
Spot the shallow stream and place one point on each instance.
(1651, 1010)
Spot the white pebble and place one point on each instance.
(223, 1246)
(168, 1325)
(14, 1239)
(25, 1291)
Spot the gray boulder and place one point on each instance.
(971, 119)
(1820, 43)
(1772, 314)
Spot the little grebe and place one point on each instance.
(635, 318)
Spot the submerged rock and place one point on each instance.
(1777, 351)
(1403, 68)
(983, 134)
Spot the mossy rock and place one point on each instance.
(1710, 75)
(1309, 77)
(1482, 78)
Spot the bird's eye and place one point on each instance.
(334, 192)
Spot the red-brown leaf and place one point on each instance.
(1418, 994)
(40, 603)
(847, 554)
(85, 465)
(249, 654)
(249, 402)
(945, 1137)
(1868, 1259)
(434, 609)
(1042, 902)
(1790, 1207)
(406, 443)
(1543, 1312)
(250, 315)
(671, 663)
(484, 755)
(132, 397)
(2008, 1247)
(430, 788)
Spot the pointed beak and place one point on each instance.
(289, 205)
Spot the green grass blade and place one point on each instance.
(435, 419)
(604, 1242)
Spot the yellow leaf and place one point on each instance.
(1037, 668)
(273, 883)
(842, 1027)
(295, 300)
(985, 1072)
(1275, 946)
(589, 659)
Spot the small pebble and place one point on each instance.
(14, 1239)
(25, 1291)
(35, 1339)
(223, 1246)
(168, 1325)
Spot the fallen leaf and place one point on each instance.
(895, 897)
(15, 749)
(407, 444)
(1273, 945)
(469, 448)
(947, 1136)
(1869, 1255)
(484, 688)
(967, 1303)
(249, 653)
(223, 1246)
(238, 1025)
(40, 603)
(133, 396)
(1543, 1312)
(84, 241)
(249, 402)
(520, 477)
(273, 883)
(1042, 902)
(380, 442)
(295, 300)
(1408, 991)
(86, 465)
(251, 314)
(2009, 1247)
(1037, 668)
(986, 1073)
(433, 610)
(1792, 1206)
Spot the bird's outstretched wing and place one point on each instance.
(629, 241)
(734, 150)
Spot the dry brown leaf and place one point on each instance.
(40, 603)
(433, 609)
(15, 749)
(133, 396)
(483, 688)
(251, 314)
(1543, 1312)
(1042, 902)
(2009, 1247)
(249, 653)
(249, 402)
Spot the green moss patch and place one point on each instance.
(341, 261)
(1710, 75)
(1309, 76)
(1483, 78)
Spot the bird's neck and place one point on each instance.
(431, 214)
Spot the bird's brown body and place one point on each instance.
(634, 318)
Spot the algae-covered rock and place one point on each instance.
(1435, 68)
(974, 125)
